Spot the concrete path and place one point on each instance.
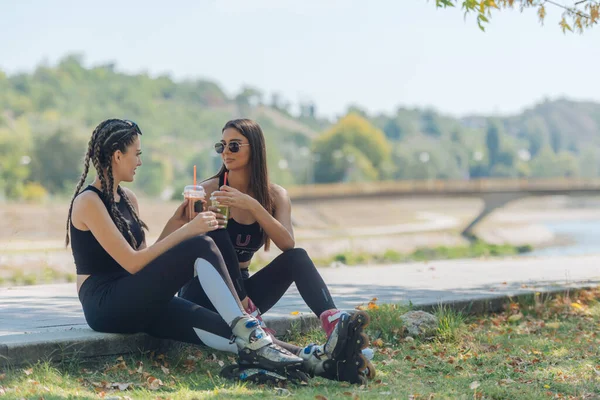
(47, 313)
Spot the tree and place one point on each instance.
(430, 124)
(492, 141)
(58, 173)
(350, 135)
(581, 15)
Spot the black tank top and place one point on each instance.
(246, 239)
(90, 257)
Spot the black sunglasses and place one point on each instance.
(234, 147)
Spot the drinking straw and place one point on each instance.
(194, 175)
(225, 178)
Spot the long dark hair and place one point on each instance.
(108, 137)
(259, 175)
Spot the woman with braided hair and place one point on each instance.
(126, 286)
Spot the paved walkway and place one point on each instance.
(49, 312)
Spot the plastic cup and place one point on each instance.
(223, 209)
(195, 194)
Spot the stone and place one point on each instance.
(420, 323)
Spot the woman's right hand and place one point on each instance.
(203, 222)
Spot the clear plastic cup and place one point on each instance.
(195, 194)
(222, 209)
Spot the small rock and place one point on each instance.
(419, 323)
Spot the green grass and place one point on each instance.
(539, 348)
(474, 250)
(44, 275)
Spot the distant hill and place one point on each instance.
(60, 105)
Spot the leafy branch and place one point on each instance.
(581, 15)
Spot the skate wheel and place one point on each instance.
(362, 341)
(361, 318)
(370, 372)
(362, 380)
(360, 362)
(230, 372)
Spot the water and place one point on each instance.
(584, 234)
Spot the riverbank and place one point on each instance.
(32, 249)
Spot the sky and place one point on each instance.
(379, 55)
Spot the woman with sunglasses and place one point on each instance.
(260, 213)
(126, 286)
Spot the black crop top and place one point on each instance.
(246, 239)
(90, 257)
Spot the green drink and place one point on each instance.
(223, 209)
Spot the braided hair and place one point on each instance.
(108, 137)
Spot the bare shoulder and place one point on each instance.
(85, 203)
(210, 185)
(279, 193)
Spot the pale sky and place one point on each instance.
(376, 54)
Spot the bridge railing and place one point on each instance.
(441, 187)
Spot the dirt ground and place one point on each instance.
(32, 235)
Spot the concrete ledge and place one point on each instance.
(84, 343)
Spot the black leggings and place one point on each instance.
(145, 302)
(268, 285)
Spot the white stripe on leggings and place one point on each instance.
(217, 291)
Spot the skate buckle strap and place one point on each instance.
(335, 316)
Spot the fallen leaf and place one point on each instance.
(515, 317)
(121, 386)
(320, 397)
(378, 342)
(546, 386)
(282, 392)
(28, 371)
(120, 358)
(474, 385)
(166, 370)
(154, 383)
(2, 376)
(295, 312)
(347, 393)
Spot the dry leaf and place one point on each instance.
(121, 386)
(378, 342)
(28, 371)
(515, 318)
(320, 397)
(165, 370)
(295, 312)
(154, 383)
(474, 385)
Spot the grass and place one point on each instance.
(539, 348)
(474, 250)
(17, 277)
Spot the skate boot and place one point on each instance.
(256, 347)
(345, 342)
(314, 357)
(255, 312)
(247, 373)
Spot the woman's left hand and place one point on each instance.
(231, 197)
